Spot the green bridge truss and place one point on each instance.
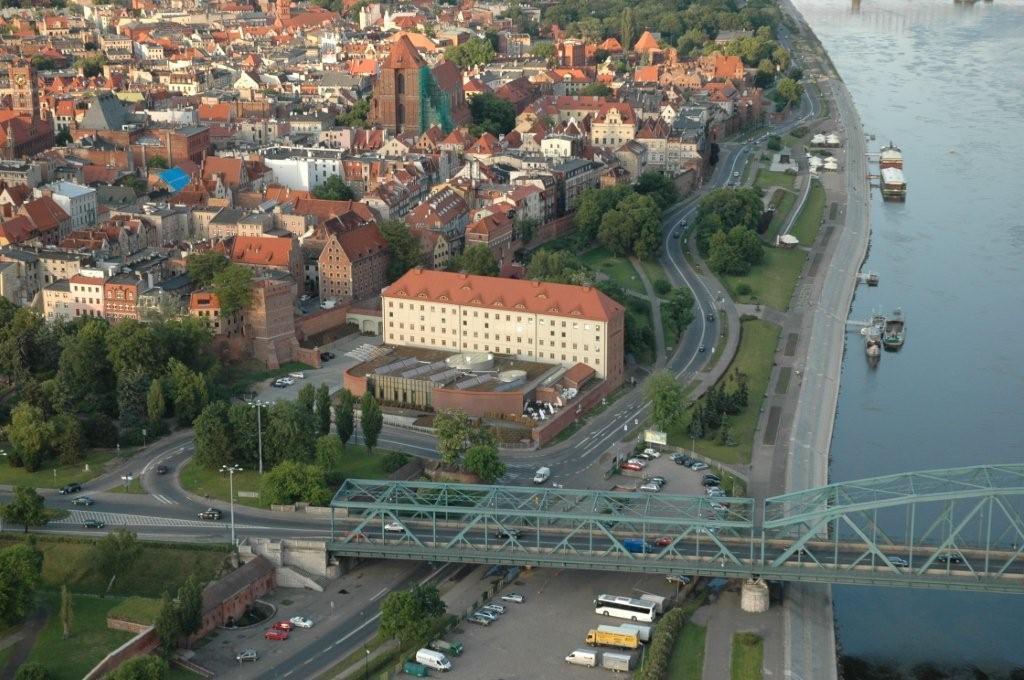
(956, 529)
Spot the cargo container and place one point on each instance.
(642, 632)
(617, 662)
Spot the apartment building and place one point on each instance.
(530, 320)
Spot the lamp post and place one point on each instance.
(231, 470)
(366, 663)
(258, 405)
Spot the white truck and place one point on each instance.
(642, 632)
(617, 662)
(658, 600)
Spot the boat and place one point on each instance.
(872, 345)
(890, 156)
(872, 279)
(894, 332)
(890, 164)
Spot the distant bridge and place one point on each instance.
(955, 529)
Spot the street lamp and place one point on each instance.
(231, 470)
(366, 664)
(258, 405)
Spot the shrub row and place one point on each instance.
(659, 651)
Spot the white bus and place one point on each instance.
(625, 608)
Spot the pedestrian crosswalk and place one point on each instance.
(116, 519)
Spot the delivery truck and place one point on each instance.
(613, 638)
(642, 632)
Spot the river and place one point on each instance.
(945, 82)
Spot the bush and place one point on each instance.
(775, 143)
(800, 131)
(743, 289)
(100, 430)
(661, 287)
(659, 651)
(394, 460)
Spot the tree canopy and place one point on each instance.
(404, 249)
(477, 259)
(491, 114)
(233, 286)
(202, 267)
(667, 399)
(291, 481)
(473, 52)
(632, 227)
(410, 614)
(334, 189)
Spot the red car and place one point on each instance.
(274, 634)
(286, 626)
(631, 466)
(663, 541)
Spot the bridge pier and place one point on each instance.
(754, 596)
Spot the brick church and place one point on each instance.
(23, 132)
(411, 97)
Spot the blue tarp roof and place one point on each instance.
(175, 179)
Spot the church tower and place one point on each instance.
(396, 97)
(284, 9)
(24, 90)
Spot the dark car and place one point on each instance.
(83, 500)
(161, 469)
(949, 559)
(701, 348)
(710, 316)
(210, 514)
(93, 524)
(507, 533)
(711, 480)
(73, 487)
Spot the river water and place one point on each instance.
(945, 82)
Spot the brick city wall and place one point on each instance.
(320, 321)
(141, 644)
(561, 420)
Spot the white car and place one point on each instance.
(699, 466)
(652, 452)
(513, 597)
(494, 606)
(394, 527)
(637, 461)
(301, 622)
(486, 614)
(650, 488)
(298, 375)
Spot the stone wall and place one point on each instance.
(320, 321)
(141, 644)
(309, 556)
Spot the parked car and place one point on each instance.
(650, 488)
(83, 500)
(297, 375)
(654, 453)
(210, 514)
(658, 479)
(632, 467)
(495, 607)
(479, 620)
(274, 634)
(282, 625)
(162, 469)
(513, 597)
(638, 461)
(681, 580)
(305, 297)
(699, 465)
(394, 527)
(486, 614)
(644, 456)
(711, 475)
(93, 524)
(73, 487)
(711, 481)
(247, 655)
(325, 357)
(301, 622)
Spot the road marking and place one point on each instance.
(378, 595)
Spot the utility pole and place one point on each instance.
(258, 405)
(231, 470)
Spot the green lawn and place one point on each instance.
(687, 661)
(767, 178)
(671, 333)
(142, 610)
(808, 221)
(772, 282)
(747, 656)
(618, 269)
(161, 566)
(46, 478)
(241, 377)
(655, 272)
(754, 358)
(782, 211)
(90, 639)
(356, 463)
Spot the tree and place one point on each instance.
(557, 266)
(491, 114)
(26, 509)
(233, 286)
(41, 63)
(666, 395)
(66, 614)
(188, 390)
(289, 435)
(483, 461)
(115, 554)
(91, 66)
(85, 375)
(32, 671)
(322, 408)
(168, 625)
(29, 435)
(132, 389)
(244, 422)
(202, 267)
(133, 344)
(334, 189)
(592, 206)
(63, 138)
(404, 249)
(357, 116)
(306, 399)
(789, 90)
(214, 437)
(477, 259)
(156, 161)
(658, 186)
(596, 90)
(722, 209)
(524, 228)
(344, 420)
(20, 569)
(627, 28)
(147, 667)
(452, 429)
(190, 605)
(292, 482)
(545, 51)
(633, 227)
(329, 451)
(133, 182)
(68, 438)
(156, 406)
(409, 614)
(677, 310)
(473, 52)
(371, 419)
(723, 257)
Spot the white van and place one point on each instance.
(582, 657)
(298, 375)
(432, 659)
(542, 475)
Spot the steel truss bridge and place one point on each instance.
(955, 529)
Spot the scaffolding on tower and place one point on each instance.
(435, 103)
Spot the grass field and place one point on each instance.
(767, 178)
(355, 463)
(781, 215)
(771, 282)
(46, 478)
(90, 639)
(655, 272)
(618, 269)
(161, 566)
(808, 222)
(747, 656)
(754, 358)
(687, 661)
(137, 610)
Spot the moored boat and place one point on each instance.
(894, 334)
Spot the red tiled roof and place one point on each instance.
(361, 242)
(556, 299)
(262, 251)
(403, 55)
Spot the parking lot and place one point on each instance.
(532, 639)
(330, 373)
(681, 480)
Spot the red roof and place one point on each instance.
(262, 251)
(537, 297)
(403, 55)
